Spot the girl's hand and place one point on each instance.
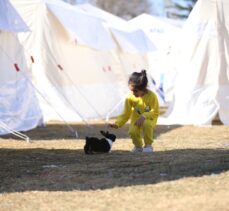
(140, 121)
(112, 125)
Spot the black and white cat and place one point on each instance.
(95, 145)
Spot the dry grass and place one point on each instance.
(189, 170)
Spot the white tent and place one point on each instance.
(19, 107)
(202, 83)
(74, 70)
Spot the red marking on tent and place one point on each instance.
(109, 68)
(32, 59)
(60, 67)
(16, 67)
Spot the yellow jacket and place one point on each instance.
(134, 107)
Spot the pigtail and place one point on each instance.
(144, 79)
(143, 72)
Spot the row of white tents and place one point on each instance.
(71, 63)
(74, 60)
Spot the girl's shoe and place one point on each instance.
(147, 148)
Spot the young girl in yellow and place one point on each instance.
(142, 108)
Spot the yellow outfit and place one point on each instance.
(135, 107)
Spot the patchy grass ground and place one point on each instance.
(189, 170)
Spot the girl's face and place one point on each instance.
(136, 92)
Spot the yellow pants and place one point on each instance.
(147, 130)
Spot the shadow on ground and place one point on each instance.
(54, 131)
(67, 170)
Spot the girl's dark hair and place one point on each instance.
(139, 80)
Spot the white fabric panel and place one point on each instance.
(10, 20)
(223, 98)
(130, 39)
(11, 53)
(94, 35)
(134, 41)
(133, 62)
(19, 107)
(163, 32)
(79, 92)
(201, 87)
(110, 19)
(196, 107)
(223, 92)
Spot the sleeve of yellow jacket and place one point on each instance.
(154, 111)
(124, 117)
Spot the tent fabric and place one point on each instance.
(135, 41)
(108, 18)
(128, 38)
(161, 31)
(202, 83)
(94, 35)
(19, 107)
(10, 20)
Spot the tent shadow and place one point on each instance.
(68, 170)
(55, 131)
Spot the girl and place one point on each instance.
(142, 108)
